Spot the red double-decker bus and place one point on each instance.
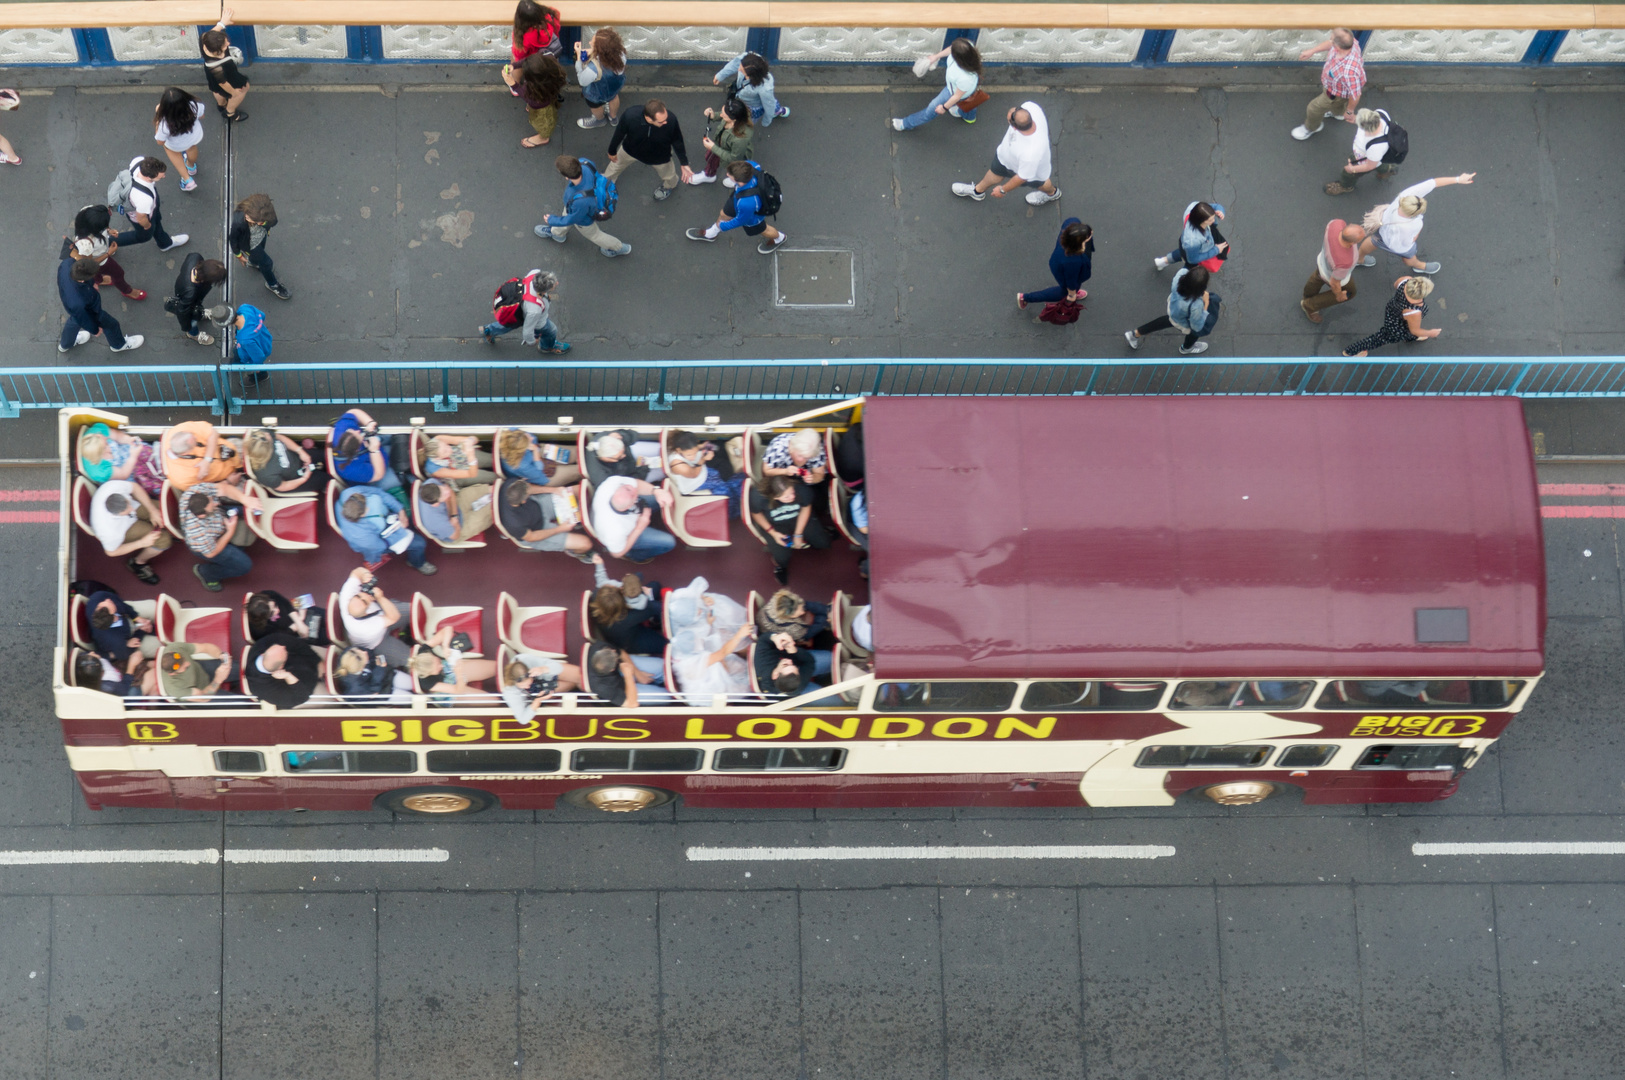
(1071, 601)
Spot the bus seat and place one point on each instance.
(584, 504)
(842, 612)
(449, 545)
(287, 523)
(750, 666)
(832, 439)
(79, 621)
(840, 499)
(334, 652)
(505, 657)
(416, 450)
(83, 492)
(334, 626)
(671, 677)
(755, 446)
(169, 507)
(588, 634)
(327, 452)
(242, 675)
(427, 619)
(531, 629)
(746, 516)
(665, 613)
(331, 499)
(243, 620)
(201, 626)
(699, 521)
(753, 604)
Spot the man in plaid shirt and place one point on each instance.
(1342, 80)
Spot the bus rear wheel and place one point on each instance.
(617, 798)
(435, 801)
(1240, 792)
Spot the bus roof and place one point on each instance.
(1203, 537)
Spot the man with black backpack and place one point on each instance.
(589, 197)
(755, 197)
(1379, 145)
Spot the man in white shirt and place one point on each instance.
(126, 521)
(1022, 158)
(621, 510)
(141, 207)
(371, 618)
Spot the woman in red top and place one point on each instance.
(535, 29)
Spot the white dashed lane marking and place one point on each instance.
(1520, 848)
(210, 856)
(845, 854)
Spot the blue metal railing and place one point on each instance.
(659, 386)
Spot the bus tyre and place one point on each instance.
(617, 798)
(1240, 792)
(435, 801)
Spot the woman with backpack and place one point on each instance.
(747, 77)
(541, 85)
(177, 123)
(601, 71)
(1395, 227)
(1379, 145)
(729, 141)
(1191, 308)
(1401, 319)
(1200, 242)
(535, 29)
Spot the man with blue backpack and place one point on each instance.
(589, 197)
(755, 197)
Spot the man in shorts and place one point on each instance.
(529, 516)
(743, 210)
(228, 85)
(1023, 157)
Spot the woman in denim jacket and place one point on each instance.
(1200, 242)
(752, 84)
(1191, 308)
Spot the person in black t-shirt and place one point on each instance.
(783, 667)
(198, 275)
(782, 510)
(280, 465)
(228, 85)
(618, 678)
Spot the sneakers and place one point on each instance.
(702, 178)
(134, 341)
(1132, 338)
(176, 241)
(1021, 301)
(780, 113)
(953, 110)
(969, 191)
(1161, 262)
(592, 122)
(204, 338)
(896, 124)
(78, 339)
(768, 247)
(1039, 198)
(426, 568)
(1311, 313)
(699, 234)
(547, 232)
(197, 572)
(1199, 347)
(280, 291)
(559, 348)
(141, 570)
(1369, 260)
(662, 194)
(1428, 268)
(191, 169)
(728, 181)
(490, 338)
(624, 249)
(1301, 133)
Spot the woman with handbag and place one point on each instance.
(961, 93)
(1070, 264)
(94, 238)
(536, 28)
(1200, 242)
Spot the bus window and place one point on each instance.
(1414, 756)
(493, 760)
(673, 760)
(1242, 694)
(779, 757)
(1204, 757)
(373, 761)
(1065, 697)
(239, 761)
(954, 697)
(1306, 756)
(1420, 693)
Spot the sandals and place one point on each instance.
(534, 145)
(136, 294)
(10, 160)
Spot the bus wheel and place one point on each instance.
(617, 798)
(435, 801)
(1240, 792)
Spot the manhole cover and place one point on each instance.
(821, 279)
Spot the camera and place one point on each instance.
(369, 587)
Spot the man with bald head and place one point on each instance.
(1334, 269)
(1022, 158)
(621, 511)
(282, 669)
(1342, 81)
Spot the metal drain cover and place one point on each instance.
(814, 279)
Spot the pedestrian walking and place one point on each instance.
(1332, 281)
(962, 80)
(747, 208)
(10, 100)
(583, 203)
(653, 136)
(1379, 146)
(1071, 264)
(198, 275)
(1200, 241)
(251, 223)
(537, 291)
(177, 125)
(747, 77)
(134, 193)
(1401, 319)
(541, 87)
(1397, 226)
(76, 285)
(1191, 308)
(601, 71)
(1023, 157)
(251, 337)
(731, 140)
(94, 239)
(1342, 81)
(536, 29)
(220, 59)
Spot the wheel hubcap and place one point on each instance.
(1240, 793)
(620, 800)
(437, 804)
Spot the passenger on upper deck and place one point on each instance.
(626, 681)
(128, 523)
(457, 459)
(523, 456)
(116, 630)
(782, 508)
(530, 514)
(621, 511)
(270, 612)
(709, 630)
(217, 534)
(374, 523)
(531, 677)
(784, 667)
(281, 465)
(359, 455)
(283, 669)
(371, 619)
(798, 454)
(194, 453)
(442, 670)
(360, 673)
(114, 454)
(636, 630)
(191, 671)
(452, 517)
(787, 613)
(93, 672)
(692, 464)
(622, 453)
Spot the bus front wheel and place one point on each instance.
(617, 798)
(435, 801)
(1240, 792)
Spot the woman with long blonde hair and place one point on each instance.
(1396, 227)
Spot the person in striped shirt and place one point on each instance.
(1342, 81)
(216, 534)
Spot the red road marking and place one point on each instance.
(38, 517)
(31, 495)
(1582, 511)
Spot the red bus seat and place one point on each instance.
(83, 492)
(531, 629)
(427, 619)
(79, 621)
(285, 522)
(201, 626)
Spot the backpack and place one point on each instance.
(603, 190)
(507, 303)
(1399, 143)
(120, 189)
(770, 193)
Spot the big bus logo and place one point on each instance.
(1430, 727)
(151, 731)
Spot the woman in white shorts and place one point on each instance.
(178, 124)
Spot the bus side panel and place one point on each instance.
(144, 789)
(1328, 787)
(835, 790)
